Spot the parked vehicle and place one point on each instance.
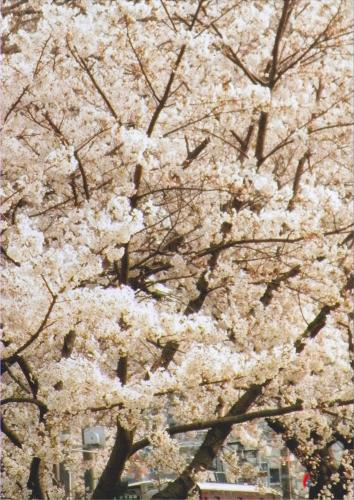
(144, 490)
(228, 491)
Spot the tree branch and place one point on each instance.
(13, 106)
(59, 133)
(314, 327)
(82, 63)
(142, 68)
(10, 434)
(210, 447)
(297, 178)
(207, 424)
(287, 6)
(262, 129)
(164, 98)
(275, 284)
(42, 326)
(232, 243)
(230, 54)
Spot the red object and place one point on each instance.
(306, 480)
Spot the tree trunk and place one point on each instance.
(34, 480)
(323, 479)
(109, 484)
(320, 476)
(208, 450)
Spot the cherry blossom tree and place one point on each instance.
(176, 232)
(331, 476)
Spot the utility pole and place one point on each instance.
(61, 473)
(93, 438)
(285, 474)
(88, 474)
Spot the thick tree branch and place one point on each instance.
(167, 354)
(192, 155)
(163, 101)
(233, 243)
(287, 7)
(275, 284)
(32, 401)
(8, 370)
(35, 483)
(258, 241)
(68, 345)
(28, 373)
(207, 424)
(297, 178)
(261, 136)
(314, 327)
(15, 440)
(109, 484)
(210, 447)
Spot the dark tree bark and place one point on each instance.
(110, 484)
(321, 475)
(34, 480)
(210, 448)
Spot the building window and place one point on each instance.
(274, 475)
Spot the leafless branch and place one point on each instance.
(142, 68)
(14, 105)
(83, 64)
